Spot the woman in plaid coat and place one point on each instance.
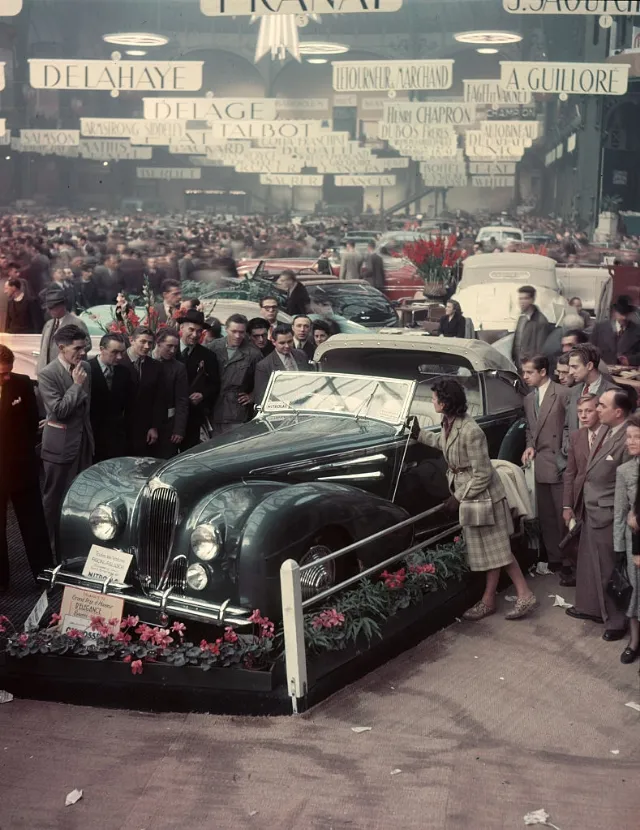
(474, 484)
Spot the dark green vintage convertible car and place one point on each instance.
(327, 461)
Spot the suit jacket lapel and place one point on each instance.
(453, 436)
(545, 408)
(602, 445)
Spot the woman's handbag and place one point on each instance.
(618, 587)
(477, 513)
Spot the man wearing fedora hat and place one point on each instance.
(54, 298)
(619, 338)
(202, 374)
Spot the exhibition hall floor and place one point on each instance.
(472, 729)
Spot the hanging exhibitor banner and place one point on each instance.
(337, 141)
(274, 165)
(138, 130)
(9, 8)
(365, 181)
(385, 76)
(102, 149)
(445, 114)
(209, 109)
(291, 181)
(487, 92)
(301, 105)
(50, 138)
(570, 78)
(269, 129)
(611, 7)
(517, 133)
(3, 80)
(492, 168)
(493, 181)
(416, 132)
(168, 172)
(262, 8)
(132, 76)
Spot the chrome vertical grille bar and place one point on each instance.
(157, 527)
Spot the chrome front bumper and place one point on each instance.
(164, 602)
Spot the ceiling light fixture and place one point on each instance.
(136, 53)
(135, 39)
(316, 60)
(488, 37)
(321, 48)
(487, 51)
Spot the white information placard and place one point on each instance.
(272, 165)
(612, 7)
(268, 129)
(490, 93)
(105, 149)
(105, 563)
(516, 133)
(446, 113)
(134, 76)
(2, 76)
(492, 168)
(209, 109)
(261, 8)
(365, 181)
(493, 181)
(291, 181)
(571, 78)
(50, 138)
(168, 173)
(372, 76)
(444, 135)
(300, 105)
(140, 130)
(9, 8)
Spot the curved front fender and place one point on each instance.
(284, 525)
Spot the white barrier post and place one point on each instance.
(293, 625)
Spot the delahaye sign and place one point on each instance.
(260, 8)
(570, 78)
(133, 76)
(209, 109)
(612, 7)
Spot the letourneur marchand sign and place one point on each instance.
(570, 78)
(381, 76)
(134, 76)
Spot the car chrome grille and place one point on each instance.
(176, 577)
(158, 517)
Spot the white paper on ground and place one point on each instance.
(633, 705)
(536, 817)
(5, 697)
(614, 751)
(72, 797)
(359, 729)
(560, 602)
(396, 771)
(542, 569)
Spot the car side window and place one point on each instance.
(501, 396)
(422, 404)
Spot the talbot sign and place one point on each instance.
(260, 8)
(209, 109)
(132, 76)
(570, 78)
(268, 129)
(612, 7)
(384, 76)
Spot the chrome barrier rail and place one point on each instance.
(293, 606)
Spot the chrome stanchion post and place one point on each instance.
(293, 626)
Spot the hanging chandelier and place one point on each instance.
(278, 34)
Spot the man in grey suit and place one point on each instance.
(584, 360)
(373, 267)
(284, 358)
(545, 413)
(350, 263)
(596, 557)
(54, 301)
(67, 439)
(532, 327)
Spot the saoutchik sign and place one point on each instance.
(612, 7)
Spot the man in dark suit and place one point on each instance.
(19, 469)
(619, 338)
(67, 439)
(545, 413)
(155, 275)
(202, 374)
(258, 331)
(284, 358)
(301, 327)
(171, 299)
(298, 301)
(532, 327)
(176, 394)
(111, 393)
(373, 267)
(130, 273)
(596, 557)
(146, 412)
(24, 315)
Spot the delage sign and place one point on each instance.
(575, 78)
(210, 109)
(134, 76)
(381, 76)
(631, 7)
(248, 8)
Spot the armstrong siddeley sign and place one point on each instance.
(133, 76)
(570, 78)
(384, 76)
(260, 8)
(209, 109)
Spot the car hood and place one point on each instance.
(254, 449)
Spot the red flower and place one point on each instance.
(330, 618)
(230, 635)
(179, 628)
(129, 622)
(121, 637)
(75, 634)
(146, 633)
(394, 580)
(161, 637)
(97, 622)
(214, 648)
(127, 659)
(136, 667)
(55, 618)
(457, 540)
(23, 639)
(427, 568)
(114, 621)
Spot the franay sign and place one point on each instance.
(260, 8)
(383, 76)
(574, 78)
(133, 76)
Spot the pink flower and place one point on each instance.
(127, 659)
(266, 626)
(136, 667)
(329, 618)
(213, 648)
(55, 618)
(457, 540)
(114, 621)
(121, 637)
(427, 568)
(255, 616)
(161, 637)
(394, 580)
(230, 635)
(104, 630)
(179, 628)
(3, 622)
(75, 634)
(129, 622)
(23, 639)
(96, 622)
(146, 633)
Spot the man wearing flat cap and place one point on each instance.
(619, 338)
(54, 302)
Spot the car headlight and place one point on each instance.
(104, 522)
(197, 577)
(206, 542)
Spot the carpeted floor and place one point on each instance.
(23, 593)
(485, 721)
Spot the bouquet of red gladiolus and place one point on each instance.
(437, 259)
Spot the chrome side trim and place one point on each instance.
(373, 476)
(342, 459)
(365, 459)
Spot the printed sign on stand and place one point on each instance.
(365, 181)
(110, 75)
(291, 181)
(78, 606)
(380, 76)
(168, 173)
(106, 563)
(260, 8)
(209, 109)
(597, 7)
(570, 78)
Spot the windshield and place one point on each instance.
(380, 398)
(359, 303)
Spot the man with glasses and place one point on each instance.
(269, 312)
(258, 331)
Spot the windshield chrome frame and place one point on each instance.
(411, 390)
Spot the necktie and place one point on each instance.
(51, 343)
(290, 364)
(586, 391)
(108, 376)
(591, 439)
(139, 363)
(536, 403)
